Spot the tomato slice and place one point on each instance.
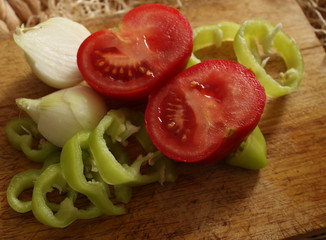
(152, 43)
(205, 112)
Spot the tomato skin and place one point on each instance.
(205, 112)
(152, 43)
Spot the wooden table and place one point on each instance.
(285, 200)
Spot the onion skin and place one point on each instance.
(51, 50)
(61, 114)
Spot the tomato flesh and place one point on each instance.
(205, 112)
(152, 43)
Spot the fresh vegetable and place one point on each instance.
(51, 48)
(205, 112)
(23, 133)
(92, 159)
(251, 154)
(61, 114)
(208, 35)
(152, 43)
(107, 156)
(66, 213)
(75, 157)
(270, 37)
(43, 181)
(80, 169)
(117, 168)
(26, 180)
(18, 184)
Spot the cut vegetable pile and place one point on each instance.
(195, 111)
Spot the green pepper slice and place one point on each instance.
(73, 155)
(67, 213)
(270, 37)
(25, 180)
(209, 35)
(22, 132)
(252, 152)
(119, 125)
(19, 183)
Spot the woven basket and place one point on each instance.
(13, 13)
(315, 11)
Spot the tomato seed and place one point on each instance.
(193, 84)
(171, 125)
(184, 138)
(148, 73)
(101, 63)
(107, 69)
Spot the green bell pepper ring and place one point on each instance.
(19, 183)
(252, 152)
(112, 171)
(72, 164)
(269, 37)
(126, 123)
(25, 180)
(122, 193)
(67, 212)
(209, 35)
(21, 133)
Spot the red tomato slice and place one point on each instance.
(152, 43)
(205, 112)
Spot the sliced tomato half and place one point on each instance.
(152, 43)
(205, 112)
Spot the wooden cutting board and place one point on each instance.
(287, 199)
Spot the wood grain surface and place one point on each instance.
(285, 200)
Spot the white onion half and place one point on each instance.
(61, 114)
(51, 50)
